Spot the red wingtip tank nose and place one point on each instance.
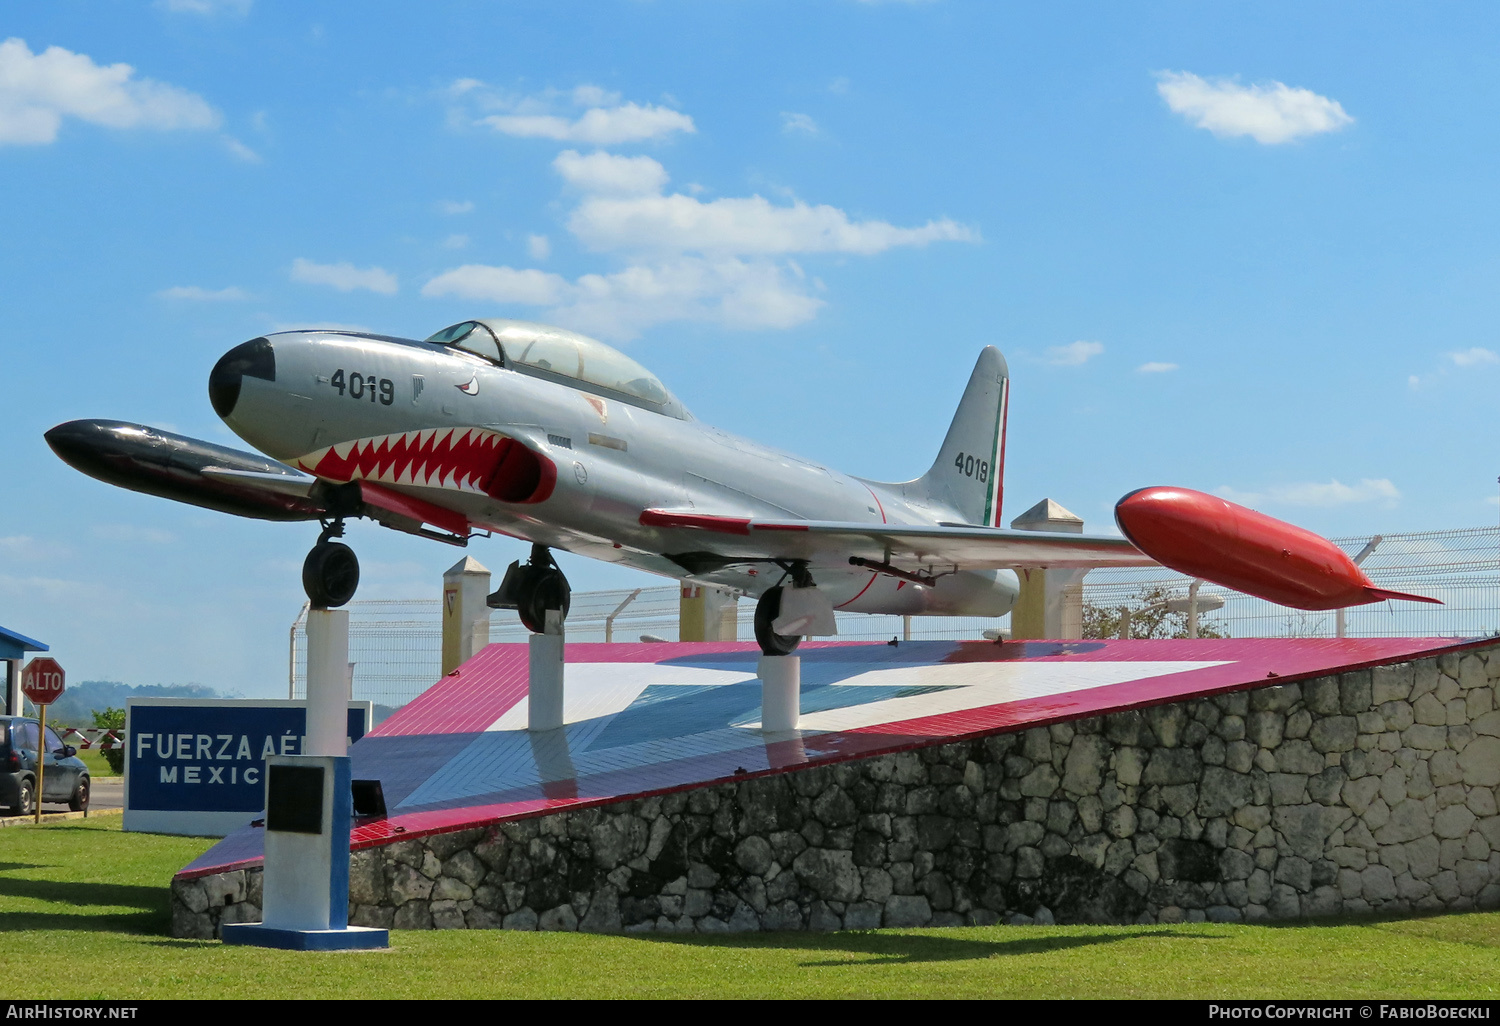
(1220, 541)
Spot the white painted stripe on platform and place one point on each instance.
(595, 690)
(509, 757)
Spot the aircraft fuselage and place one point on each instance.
(557, 464)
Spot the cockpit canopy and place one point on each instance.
(556, 354)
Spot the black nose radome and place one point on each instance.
(254, 359)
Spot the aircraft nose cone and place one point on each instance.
(254, 359)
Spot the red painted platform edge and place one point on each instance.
(479, 818)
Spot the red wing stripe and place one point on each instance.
(780, 527)
(695, 521)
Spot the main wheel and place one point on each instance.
(766, 612)
(330, 574)
(23, 799)
(80, 798)
(548, 590)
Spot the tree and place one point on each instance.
(1149, 618)
(109, 719)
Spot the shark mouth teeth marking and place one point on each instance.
(459, 460)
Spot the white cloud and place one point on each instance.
(1271, 113)
(798, 124)
(197, 294)
(38, 90)
(344, 276)
(598, 126)
(240, 150)
(455, 242)
(133, 534)
(1334, 493)
(498, 285)
(206, 7)
(25, 547)
(839, 86)
(1074, 354)
(452, 207)
(726, 291)
(679, 258)
(601, 172)
(1474, 357)
(1156, 368)
(742, 225)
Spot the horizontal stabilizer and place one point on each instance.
(1381, 594)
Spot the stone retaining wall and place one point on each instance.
(1371, 791)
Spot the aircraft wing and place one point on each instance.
(912, 549)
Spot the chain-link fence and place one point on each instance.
(396, 645)
(1460, 567)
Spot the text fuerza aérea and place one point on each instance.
(213, 747)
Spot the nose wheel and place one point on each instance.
(330, 574)
(532, 588)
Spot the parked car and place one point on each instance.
(66, 778)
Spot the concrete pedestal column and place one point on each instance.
(780, 691)
(544, 696)
(327, 682)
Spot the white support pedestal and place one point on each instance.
(544, 697)
(780, 691)
(327, 682)
(308, 811)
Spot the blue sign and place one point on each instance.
(195, 766)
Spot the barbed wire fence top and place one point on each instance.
(396, 644)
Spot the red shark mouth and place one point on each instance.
(456, 459)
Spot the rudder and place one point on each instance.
(968, 475)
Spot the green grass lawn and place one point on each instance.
(94, 760)
(84, 909)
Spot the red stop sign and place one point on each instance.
(42, 680)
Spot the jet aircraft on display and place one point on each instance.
(541, 434)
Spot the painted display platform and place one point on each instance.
(651, 718)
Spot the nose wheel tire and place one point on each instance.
(330, 574)
(766, 612)
(79, 802)
(547, 590)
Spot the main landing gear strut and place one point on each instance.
(330, 574)
(769, 608)
(532, 588)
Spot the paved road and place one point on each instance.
(108, 796)
(109, 793)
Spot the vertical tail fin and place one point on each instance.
(968, 475)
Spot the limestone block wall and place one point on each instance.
(1373, 791)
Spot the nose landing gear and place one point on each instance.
(330, 574)
(533, 588)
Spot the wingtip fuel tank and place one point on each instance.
(1220, 541)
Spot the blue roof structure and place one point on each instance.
(15, 646)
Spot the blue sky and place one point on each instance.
(1246, 248)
